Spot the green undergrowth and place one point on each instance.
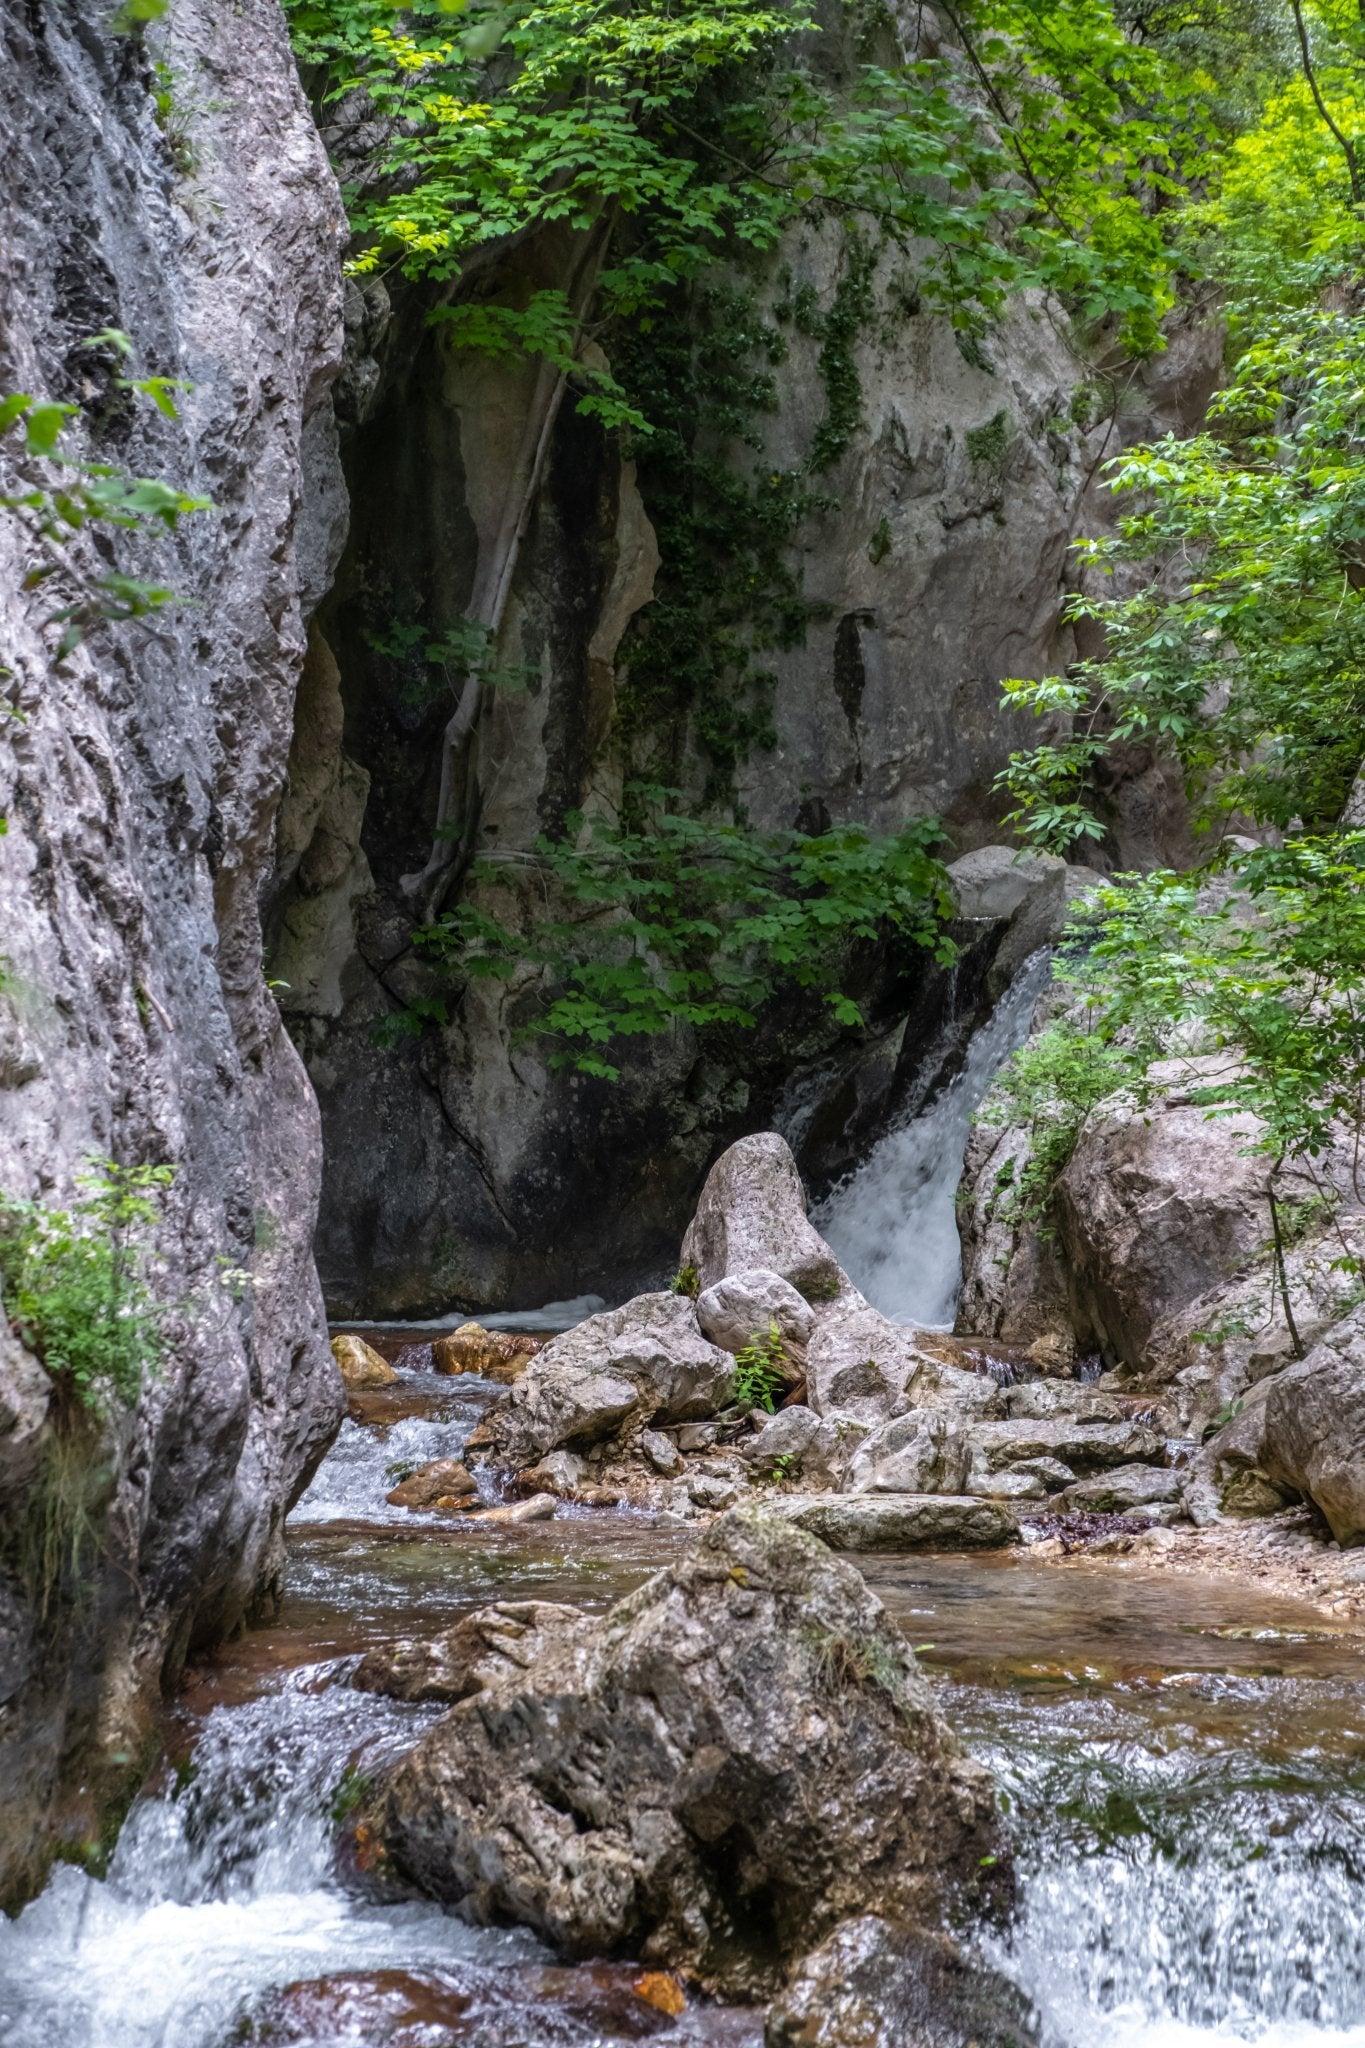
(676, 922)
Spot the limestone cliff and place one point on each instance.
(931, 563)
(191, 208)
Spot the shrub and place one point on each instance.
(73, 1283)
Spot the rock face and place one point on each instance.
(139, 786)
(712, 1775)
(1314, 1440)
(467, 1168)
(645, 1362)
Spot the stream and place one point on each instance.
(1183, 1761)
(1184, 1765)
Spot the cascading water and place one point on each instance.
(892, 1220)
(1184, 1763)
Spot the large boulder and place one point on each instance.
(712, 1775)
(1157, 1206)
(494, 1354)
(1314, 1428)
(1085, 1446)
(642, 1363)
(1026, 891)
(873, 1984)
(360, 1365)
(752, 1214)
(1160, 1205)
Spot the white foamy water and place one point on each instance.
(365, 1463)
(892, 1221)
(224, 1891)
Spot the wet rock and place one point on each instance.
(659, 1777)
(482, 1648)
(916, 1453)
(710, 1491)
(645, 1362)
(444, 1480)
(874, 1984)
(746, 1304)
(360, 1365)
(562, 1473)
(495, 1354)
(540, 1507)
(1127, 1486)
(1086, 1446)
(907, 1521)
(784, 1439)
(752, 1217)
(1315, 1428)
(662, 1453)
(522, 2006)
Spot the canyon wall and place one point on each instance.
(931, 562)
(173, 189)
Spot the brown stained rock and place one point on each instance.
(495, 1354)
(360, 1365)
(480, 1649)
(710, 1776)
(442, 1483)
(874, 1984)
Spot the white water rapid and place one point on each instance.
(891, 1220)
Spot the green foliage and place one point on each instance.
(686, 1281)
(702, 371)
(1249, 666)
(1269, 982)
(73, 1283)
(711, 122)
(1050, 1087)
(758, 1369)
(989, 445)
(685, 922)
(840, 330)
(60, 495)
(351, 1792)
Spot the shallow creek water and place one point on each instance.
(1184, 1765)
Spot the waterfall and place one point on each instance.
(892, 1220)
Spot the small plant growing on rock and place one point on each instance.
(687, 1280)
(758, 1369)
(73, 1284)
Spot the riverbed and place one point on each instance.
(1183, 1762)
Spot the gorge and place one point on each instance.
(681, 683)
